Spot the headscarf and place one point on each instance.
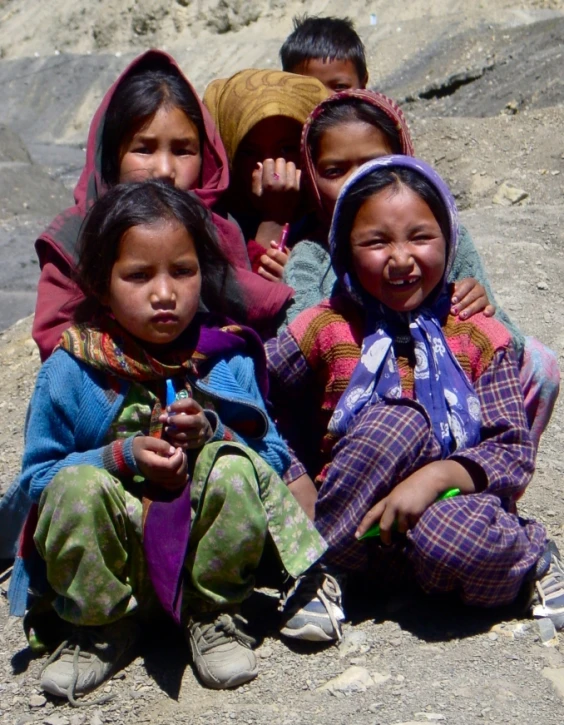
(441, 385)
(263, 299)
(238, 103)
(378, 100)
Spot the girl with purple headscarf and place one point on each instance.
(411, 402)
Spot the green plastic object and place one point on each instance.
(374, 531)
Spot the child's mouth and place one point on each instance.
(404, 283)
(165, 318)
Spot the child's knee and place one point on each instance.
(77, 483)
(453, 533)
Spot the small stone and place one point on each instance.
(77, 719)
(493, 636)
(547, 632)
(430, 716)
(556, 676)
(96, 719)
(351, 642)
(542, 285)
(56, 720)
(353, 679)
(509, 195)
(379, 678)
(265, 652)
(37, 701)
(375, 706)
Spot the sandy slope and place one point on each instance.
(482, 85)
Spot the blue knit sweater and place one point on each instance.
(73, 406)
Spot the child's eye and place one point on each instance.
(185, 272)
(136, 277)
(332, 173)
(140, 150)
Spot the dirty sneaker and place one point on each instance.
(221, 650)
(86, 660)
(313, 609)
(548, 599)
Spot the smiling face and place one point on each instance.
(155, 282)
(342, 150)
(167, 148)
(336, 75)
(398, 250)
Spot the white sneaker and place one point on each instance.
(313, 608)
(86, 660)
(221, 650)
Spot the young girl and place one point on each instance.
(341, 134)
(150, 124)
(413, 401)
(260, 114)
(133, 507)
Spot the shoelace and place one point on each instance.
(551, 582)
(224, 629)
(323, 586)
(74, 647)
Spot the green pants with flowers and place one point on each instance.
(90, 535)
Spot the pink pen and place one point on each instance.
(281, 246)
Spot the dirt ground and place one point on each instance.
(483, 88)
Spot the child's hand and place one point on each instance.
(186, 424)
(273, 263)
(469, 298)
(160, 462)
(276, 188)
(405, 505)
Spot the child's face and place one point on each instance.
(167, 148)
(336, 75)
(155, 282)
(272, 138)
(398, 249)
(342, 150)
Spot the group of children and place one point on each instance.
(275, 217)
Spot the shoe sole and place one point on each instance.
(309, 633)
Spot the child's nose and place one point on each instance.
(401, 256)
(163, 167)
(163, 291)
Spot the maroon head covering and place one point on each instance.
(378, 100)
(57, 247)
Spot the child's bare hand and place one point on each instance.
(186, 424)
(273, 263)
(160, 462)
(276, 187)
(404, 505)
(469, 298)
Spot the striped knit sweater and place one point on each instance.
(326, 341)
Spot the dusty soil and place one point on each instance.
(482, 86)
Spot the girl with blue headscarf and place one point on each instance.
(411, 402)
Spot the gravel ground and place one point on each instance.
(404, 658)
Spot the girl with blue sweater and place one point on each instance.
(136, 506)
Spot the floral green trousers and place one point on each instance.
(90, 535)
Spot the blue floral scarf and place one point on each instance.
(441, 386)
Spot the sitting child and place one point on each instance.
(260, 114)
(345, 131)
(328, 49)
(412, 401)
(135, 505)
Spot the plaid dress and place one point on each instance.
(469, 544)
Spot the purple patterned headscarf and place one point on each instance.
(441, 386)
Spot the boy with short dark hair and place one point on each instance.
(328, 49)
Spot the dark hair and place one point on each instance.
(345, 110)
(148, 203)
(151, 85)
(326, 38)
(371, 184)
